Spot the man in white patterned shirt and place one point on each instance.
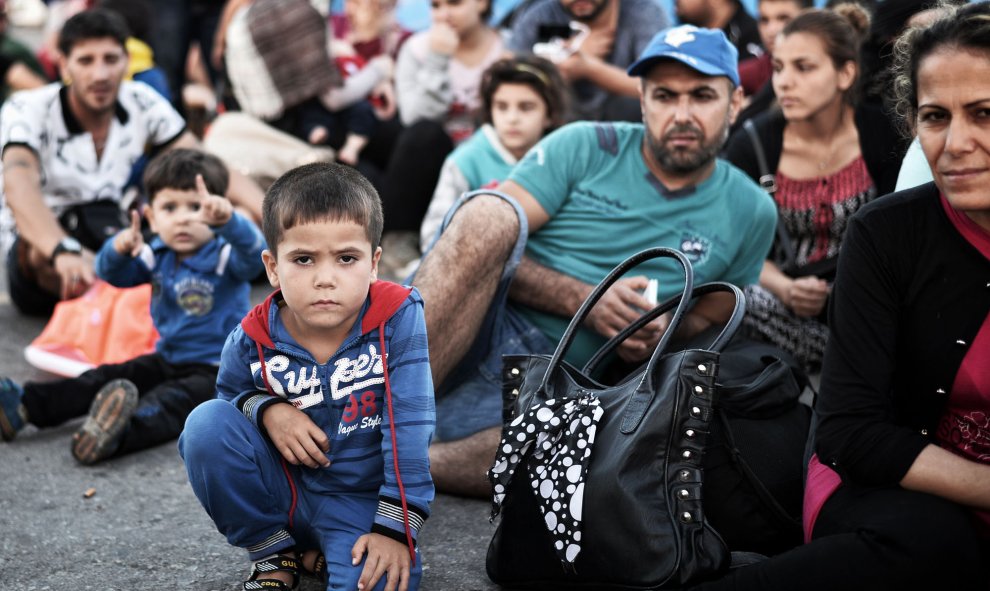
(68, 152)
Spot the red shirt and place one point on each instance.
(965, 426)
(754, 73)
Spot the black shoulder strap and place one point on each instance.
(785, 254)
(767, 180)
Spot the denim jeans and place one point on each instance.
(470, 399)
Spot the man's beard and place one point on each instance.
(588, 17)
(685, 161)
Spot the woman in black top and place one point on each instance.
(898, 494)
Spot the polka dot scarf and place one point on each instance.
(556, 436)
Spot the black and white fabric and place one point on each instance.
(555, 439)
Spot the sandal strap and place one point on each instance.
(319, 570)
(286, 563)
(266, 585)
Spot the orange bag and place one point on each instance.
(105, 325)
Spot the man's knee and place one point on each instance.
(487, 221)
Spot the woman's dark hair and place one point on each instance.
(841, 30)
(963, 28)
(888, 22)
(96, 23)
(535, 72)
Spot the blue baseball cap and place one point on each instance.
(706, 50)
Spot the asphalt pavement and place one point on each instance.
(142, 528)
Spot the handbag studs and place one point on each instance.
(702, 369)
(690, 433)
(684, 494)
(686, 517)
(696, 412)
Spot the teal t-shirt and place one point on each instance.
(605, 205)
(482, 159)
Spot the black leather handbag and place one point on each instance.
(641, 523)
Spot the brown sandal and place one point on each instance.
(319, 570)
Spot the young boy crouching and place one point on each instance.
(315, 458)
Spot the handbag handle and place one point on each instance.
(726, 334)
(599, 291)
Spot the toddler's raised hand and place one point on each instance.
(129, 241)
(214, 210)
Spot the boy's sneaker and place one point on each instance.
(109, 414)
(11, 417)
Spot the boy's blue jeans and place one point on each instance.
(239, 478)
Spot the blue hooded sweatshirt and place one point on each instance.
(373, 398)
(196, 302)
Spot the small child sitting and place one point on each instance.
(314, 458)
(523, 99)
(318, 124)
(199, 267)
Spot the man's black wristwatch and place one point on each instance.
(66, 245)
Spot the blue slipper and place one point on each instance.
(11, 420)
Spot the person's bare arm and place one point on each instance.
(533, 283)
(36, 224)
(806, 296)
(21, 77)
(551, 291)
(243, 192)
(582, 66)
(713, 309)
(940, 472)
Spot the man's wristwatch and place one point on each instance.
(66, 245)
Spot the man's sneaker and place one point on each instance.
(11, 413)
(109, 414)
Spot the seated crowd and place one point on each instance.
(502, 170)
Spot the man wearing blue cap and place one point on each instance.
(584, 199)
